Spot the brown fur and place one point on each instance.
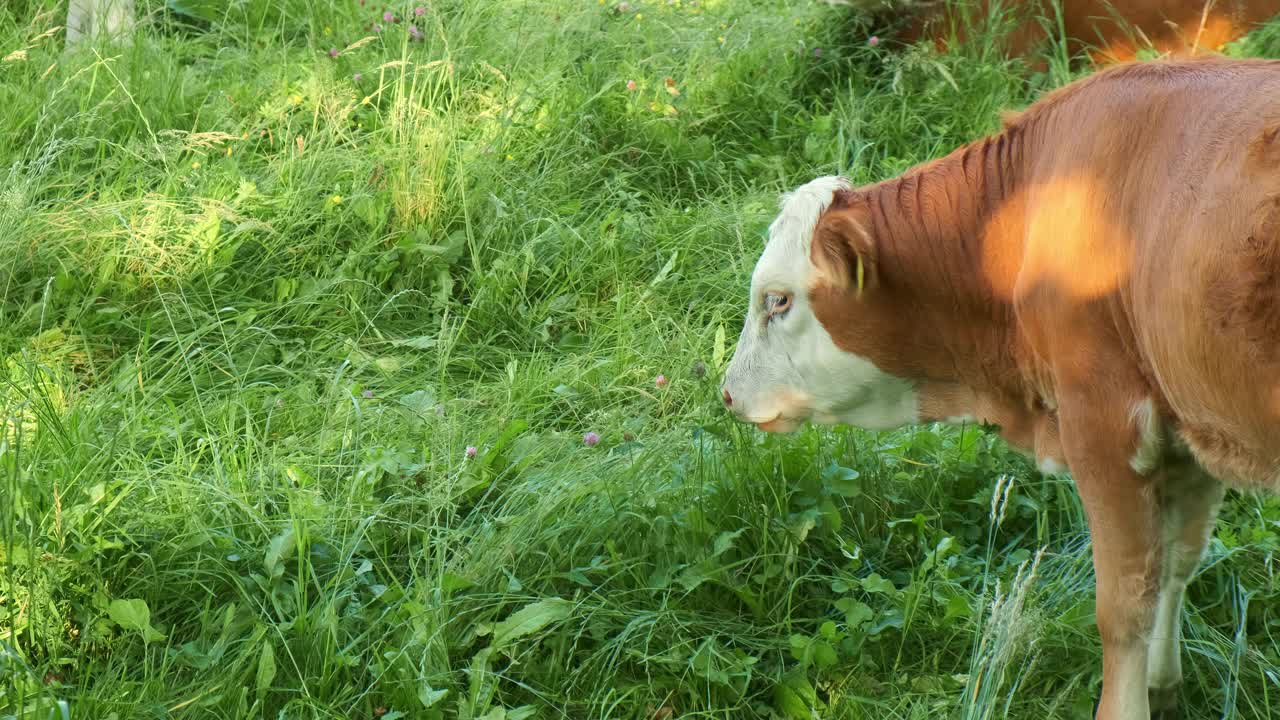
(1116, 243)
(1109, 31)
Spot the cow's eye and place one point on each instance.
(776, 303)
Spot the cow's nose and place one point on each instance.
(728, 399)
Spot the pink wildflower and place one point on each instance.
(631, 84)
(471, 451)
(660, 381)
(873, 41)
(590, 439)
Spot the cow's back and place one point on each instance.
(1158, 214)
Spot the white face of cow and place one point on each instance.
(786, 368)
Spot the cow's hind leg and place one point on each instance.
(1189, 500)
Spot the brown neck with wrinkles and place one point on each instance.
(946, 244)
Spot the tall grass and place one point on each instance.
(259, 301)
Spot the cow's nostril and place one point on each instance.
(728, 399)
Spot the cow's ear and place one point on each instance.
(844, 252)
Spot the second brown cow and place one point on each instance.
(1107, 30)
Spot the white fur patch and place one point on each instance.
(788, 367)
(1164, 666)
(800, 210)
(1150, 438)
(1051, 466)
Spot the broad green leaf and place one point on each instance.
(873, 583)
(530, 619)
(957, 606)
(889, 619)
(450, 582)
(824, 656)
(691, 577)
(855, 613)
(724, 541)
(278, 553)
(266, 667)
(134, 614)
(419, 401)
(795, 698)
(429, 696)
(299, 477)
(842, 480)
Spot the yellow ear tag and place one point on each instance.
(861, 276)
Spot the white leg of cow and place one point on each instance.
(86, 18)
(1189, 506)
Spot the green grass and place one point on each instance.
(255, 310)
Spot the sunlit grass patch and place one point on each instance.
(331, 382)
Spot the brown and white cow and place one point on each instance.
(1101, 279)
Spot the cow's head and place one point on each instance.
(811, 283)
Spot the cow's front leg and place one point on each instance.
(1105, 437)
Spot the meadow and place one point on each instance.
(367, 368)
